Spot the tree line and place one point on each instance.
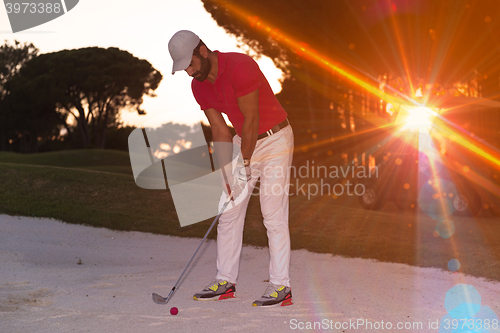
(448, 46)
(69, 98)
(442, 47)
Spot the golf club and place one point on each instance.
(164, 300)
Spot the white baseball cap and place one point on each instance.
(181, 47)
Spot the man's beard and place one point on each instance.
(202, 74)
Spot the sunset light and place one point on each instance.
(419, 118)
(347, 150)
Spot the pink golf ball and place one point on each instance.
(174, 311)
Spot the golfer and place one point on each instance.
(232, 83)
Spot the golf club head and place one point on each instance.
(159, 299)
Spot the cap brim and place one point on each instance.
(181, 64)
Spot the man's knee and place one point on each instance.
(273, 225)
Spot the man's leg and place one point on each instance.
(230, 238)
(229, 243)
(230, 232)
(277, 154)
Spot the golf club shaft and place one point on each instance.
(222, 167)
(226, 181)
(229, 198)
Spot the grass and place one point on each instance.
(99, 199)
(96, 159)
(78, 187)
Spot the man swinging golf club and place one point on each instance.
(232, 83)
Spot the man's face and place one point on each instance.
(199, 68)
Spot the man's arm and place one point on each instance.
(223, 151)
(220, 131)
(249, 106)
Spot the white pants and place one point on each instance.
(271, 160)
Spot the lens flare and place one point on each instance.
(419, 117)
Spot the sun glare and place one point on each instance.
(419, 118)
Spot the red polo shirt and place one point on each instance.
(238, 76)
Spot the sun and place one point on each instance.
(419, 117)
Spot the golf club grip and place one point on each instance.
(229, 192)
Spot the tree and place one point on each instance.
(30, 106)
(412, 41)
(436, 40)
(12, 58)
(91, 86)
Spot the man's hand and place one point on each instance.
(241, 177)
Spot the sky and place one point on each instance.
(142, 28)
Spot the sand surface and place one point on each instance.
(59, 277)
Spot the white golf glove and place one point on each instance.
(241, 177)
